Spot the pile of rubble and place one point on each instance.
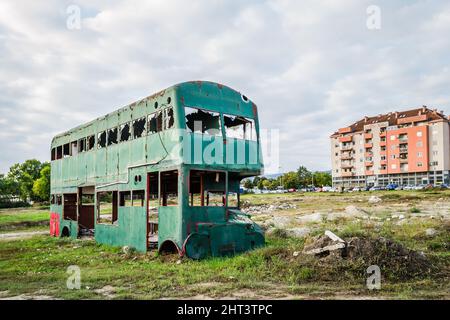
(385, 253)
(267, 208)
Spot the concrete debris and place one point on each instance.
(325, 244)
(430, 232)
(333, 237)
(296, 253)
(267, 208)
(374, 199)
(281, 221)
(299, 232)
(313, 217)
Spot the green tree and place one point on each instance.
(41, 187)
(322, 178)
(24, 175)
(290, 180)
(304, 176)
(248, 184)
(260, 183)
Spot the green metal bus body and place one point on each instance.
(163, 172)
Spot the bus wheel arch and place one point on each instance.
(65, 232)
(168, 246)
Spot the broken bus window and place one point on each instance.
(202, 121)
(239, 127)
(139, 127)
(125, 133)
(82, 145)
(101, 138)
(90, 142)
(112, 136)
(168, 118)
(66, 150)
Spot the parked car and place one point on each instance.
(292, 190)
(326, 189)
(357, 189)
(408, 187)
(377, 188)
(419, 187)
(391, 186)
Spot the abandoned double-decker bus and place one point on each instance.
(161, 173)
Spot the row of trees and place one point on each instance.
(27, 181)
(293, 179)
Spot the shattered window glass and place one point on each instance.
(82, 145)
(152, 123)
(101, 138)
(112, 136)
(202, 121)
(239, 127)
(90, 142)
(168, 118)
(125, 133)
(139, 128)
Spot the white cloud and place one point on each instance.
(310, 66)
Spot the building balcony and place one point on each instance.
(403, 150)
(345, 130)
(368, 163)
(383, 134)
(368, 145)
(346, 148)
(346, 139)
(368, 136)
(347, 166)
(347, 174)
(346, 157)
(403, 139)
(382, 143)
(383, 162)
(368, 154)
(403, 160)
(369, 173)
(383, 171)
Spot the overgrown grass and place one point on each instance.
(23, 219)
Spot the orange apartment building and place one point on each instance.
(407, 148)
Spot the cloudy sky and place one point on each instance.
(310, 66)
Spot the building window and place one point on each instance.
(419, 154)
(392, 137)
(419, 144)
(419, 164)
(419, 133)
(393, 166)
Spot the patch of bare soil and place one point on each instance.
(21, 235)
